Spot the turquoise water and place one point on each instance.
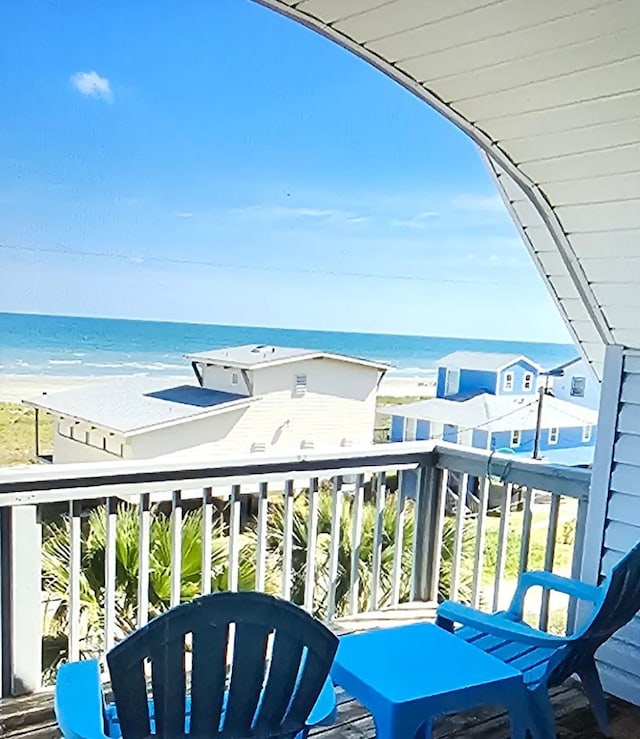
(67, 345)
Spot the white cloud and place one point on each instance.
(92, 85)
(288, 213)
(478, 203)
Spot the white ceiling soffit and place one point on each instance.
(551, 92)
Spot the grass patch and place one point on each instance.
(17, 437)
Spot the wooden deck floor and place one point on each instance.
(32, 717)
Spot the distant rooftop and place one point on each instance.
(255, 356)
(131, 405)
(497, 413)
(487, 361)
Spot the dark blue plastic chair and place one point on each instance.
(546, 660)
(259, 668)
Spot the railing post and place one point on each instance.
(428, 510)
(21, 612)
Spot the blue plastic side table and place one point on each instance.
(409, 675)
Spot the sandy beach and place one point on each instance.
(15, 388)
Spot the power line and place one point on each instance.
(245, 267)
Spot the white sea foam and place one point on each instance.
(64, 361)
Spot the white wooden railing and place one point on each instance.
(90, 552)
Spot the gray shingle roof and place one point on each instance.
(489, 361)
(134, 404)
(254, 356)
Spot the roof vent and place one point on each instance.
(258, 348)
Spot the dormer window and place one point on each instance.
(508, 381)
(527, 381)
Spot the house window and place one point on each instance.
(553, 435)
(586, 434)
(234, 378)
(452, 384)
(301, 385)
(508, 381)
(578, 386)
(515, 438)
(527, 381)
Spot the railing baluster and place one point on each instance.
(525, 539)
(480, 539)
(176, 547)
(398, 538)
(381, 489)
(310, 578)
(549, 555)
(576, 563)
(503, 540)
(261, 551)
(110, 573)
(458, 537)
(336, 516)
(207, 540)
(75, 556)
(144, 540)
(356, 544)
(287, 543)
(234, 538)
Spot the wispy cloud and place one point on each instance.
(292, 213)
(478, 203)
(183, 214)
(91, 84)
(419, 221)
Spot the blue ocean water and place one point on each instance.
(67, 345)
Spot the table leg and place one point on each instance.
(519, 717)
(401, 725)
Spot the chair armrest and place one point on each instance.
(79, 701)
(324, 711)
(550, 581)
(496, 625)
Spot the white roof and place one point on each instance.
(132, 405)
(549, 90)
(489, 361)
(497, 413)
(255, 356)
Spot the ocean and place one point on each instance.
(73, 346)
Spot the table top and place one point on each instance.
(412, 662)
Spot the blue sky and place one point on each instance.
(214, 162)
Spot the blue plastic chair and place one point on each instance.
(546, 660)
(276, 686)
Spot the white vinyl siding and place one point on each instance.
(615, 506)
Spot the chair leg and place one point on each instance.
(542, 721)
(588, 674)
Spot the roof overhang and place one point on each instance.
(549, 93)
(211, 362)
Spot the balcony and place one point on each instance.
(363, 539)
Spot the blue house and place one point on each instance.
(465, 374)
(494, 405)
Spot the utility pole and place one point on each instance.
(542, 390)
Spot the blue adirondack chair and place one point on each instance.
(548, 660)
(276, 685)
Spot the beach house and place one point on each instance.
(575, 381)
(245, 400)
(491, 401)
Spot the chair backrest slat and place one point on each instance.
(208, 675)
(286, 658)
(268, 695)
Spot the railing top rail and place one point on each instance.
(570, 481)
(38, 484)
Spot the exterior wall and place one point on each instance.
(562, 386)
(519, 370)
(568, 438)
(613, 519)
(83, 448)
(397, 428)
(477, 381)
(441, 382)
(219, 378)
